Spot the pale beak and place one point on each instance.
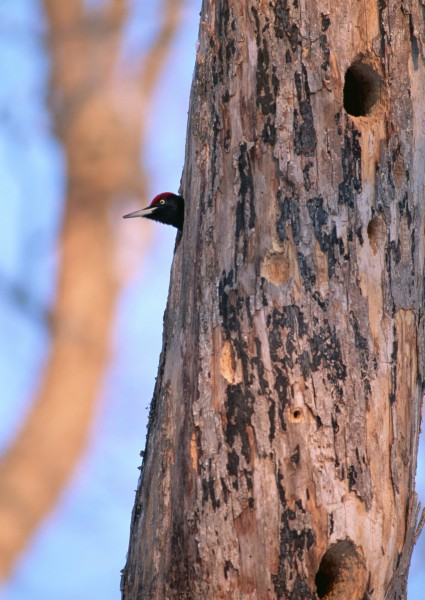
(143, 212)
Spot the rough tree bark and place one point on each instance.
(282, 443)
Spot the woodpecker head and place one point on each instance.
(166, 208)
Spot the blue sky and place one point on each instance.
(79, 551)
(81, 548)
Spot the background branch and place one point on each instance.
(99, 118)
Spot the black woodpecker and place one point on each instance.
(165, 208)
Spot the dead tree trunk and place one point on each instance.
(282, 443)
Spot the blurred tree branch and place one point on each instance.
(160, 49)
(100, 115)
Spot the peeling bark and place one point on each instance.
(282, 442)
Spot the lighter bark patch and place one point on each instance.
(252, 574)
(404, 393)
(229, 368)
(276, 267)
(280, 266)
(321, 269)
(407, 363)
(399, 171)
(194, 452)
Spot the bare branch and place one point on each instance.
(100, 119)
(159, 51)
(62, 15)
(117, 10)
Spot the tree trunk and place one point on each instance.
(282, 443)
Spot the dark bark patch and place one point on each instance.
(225, 489)
(352, 477)
(250, 316)
(272, 419)
(248, 478)
(269, 134)
(245, 207)
(301, 589)
(295, 456)
(304, 131)
(230, 50)
(284, 25)
(227, 140)
(404, 209)
(324, 46)
(331, 524)
(306, 271)
(289, 212)
(359, 235)
(200, 452)
(322, 303)
(266, 95)
(303, 360)
(239, 410)
(318, 215)
(205, 492)
(326, 353)
(227, 566)
(233, 467)
(208, 489)
(325, 22)
(337, 119)
(281, 386)
(227, 303)
(257, 362)
(306, 175)
(181, 571)
(280, 488)
(265, 98)
(382, 5)
(351, 161)
(395, 250)
(284, 329)
(361, 344)
(290, 318)
(394, 368)
(328, 240)
(293, 545)
(414, 44)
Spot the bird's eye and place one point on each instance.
(162, 201)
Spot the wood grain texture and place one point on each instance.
(285, 417)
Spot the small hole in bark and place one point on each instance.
(296, 415)
(342, 573)
(362, 89)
